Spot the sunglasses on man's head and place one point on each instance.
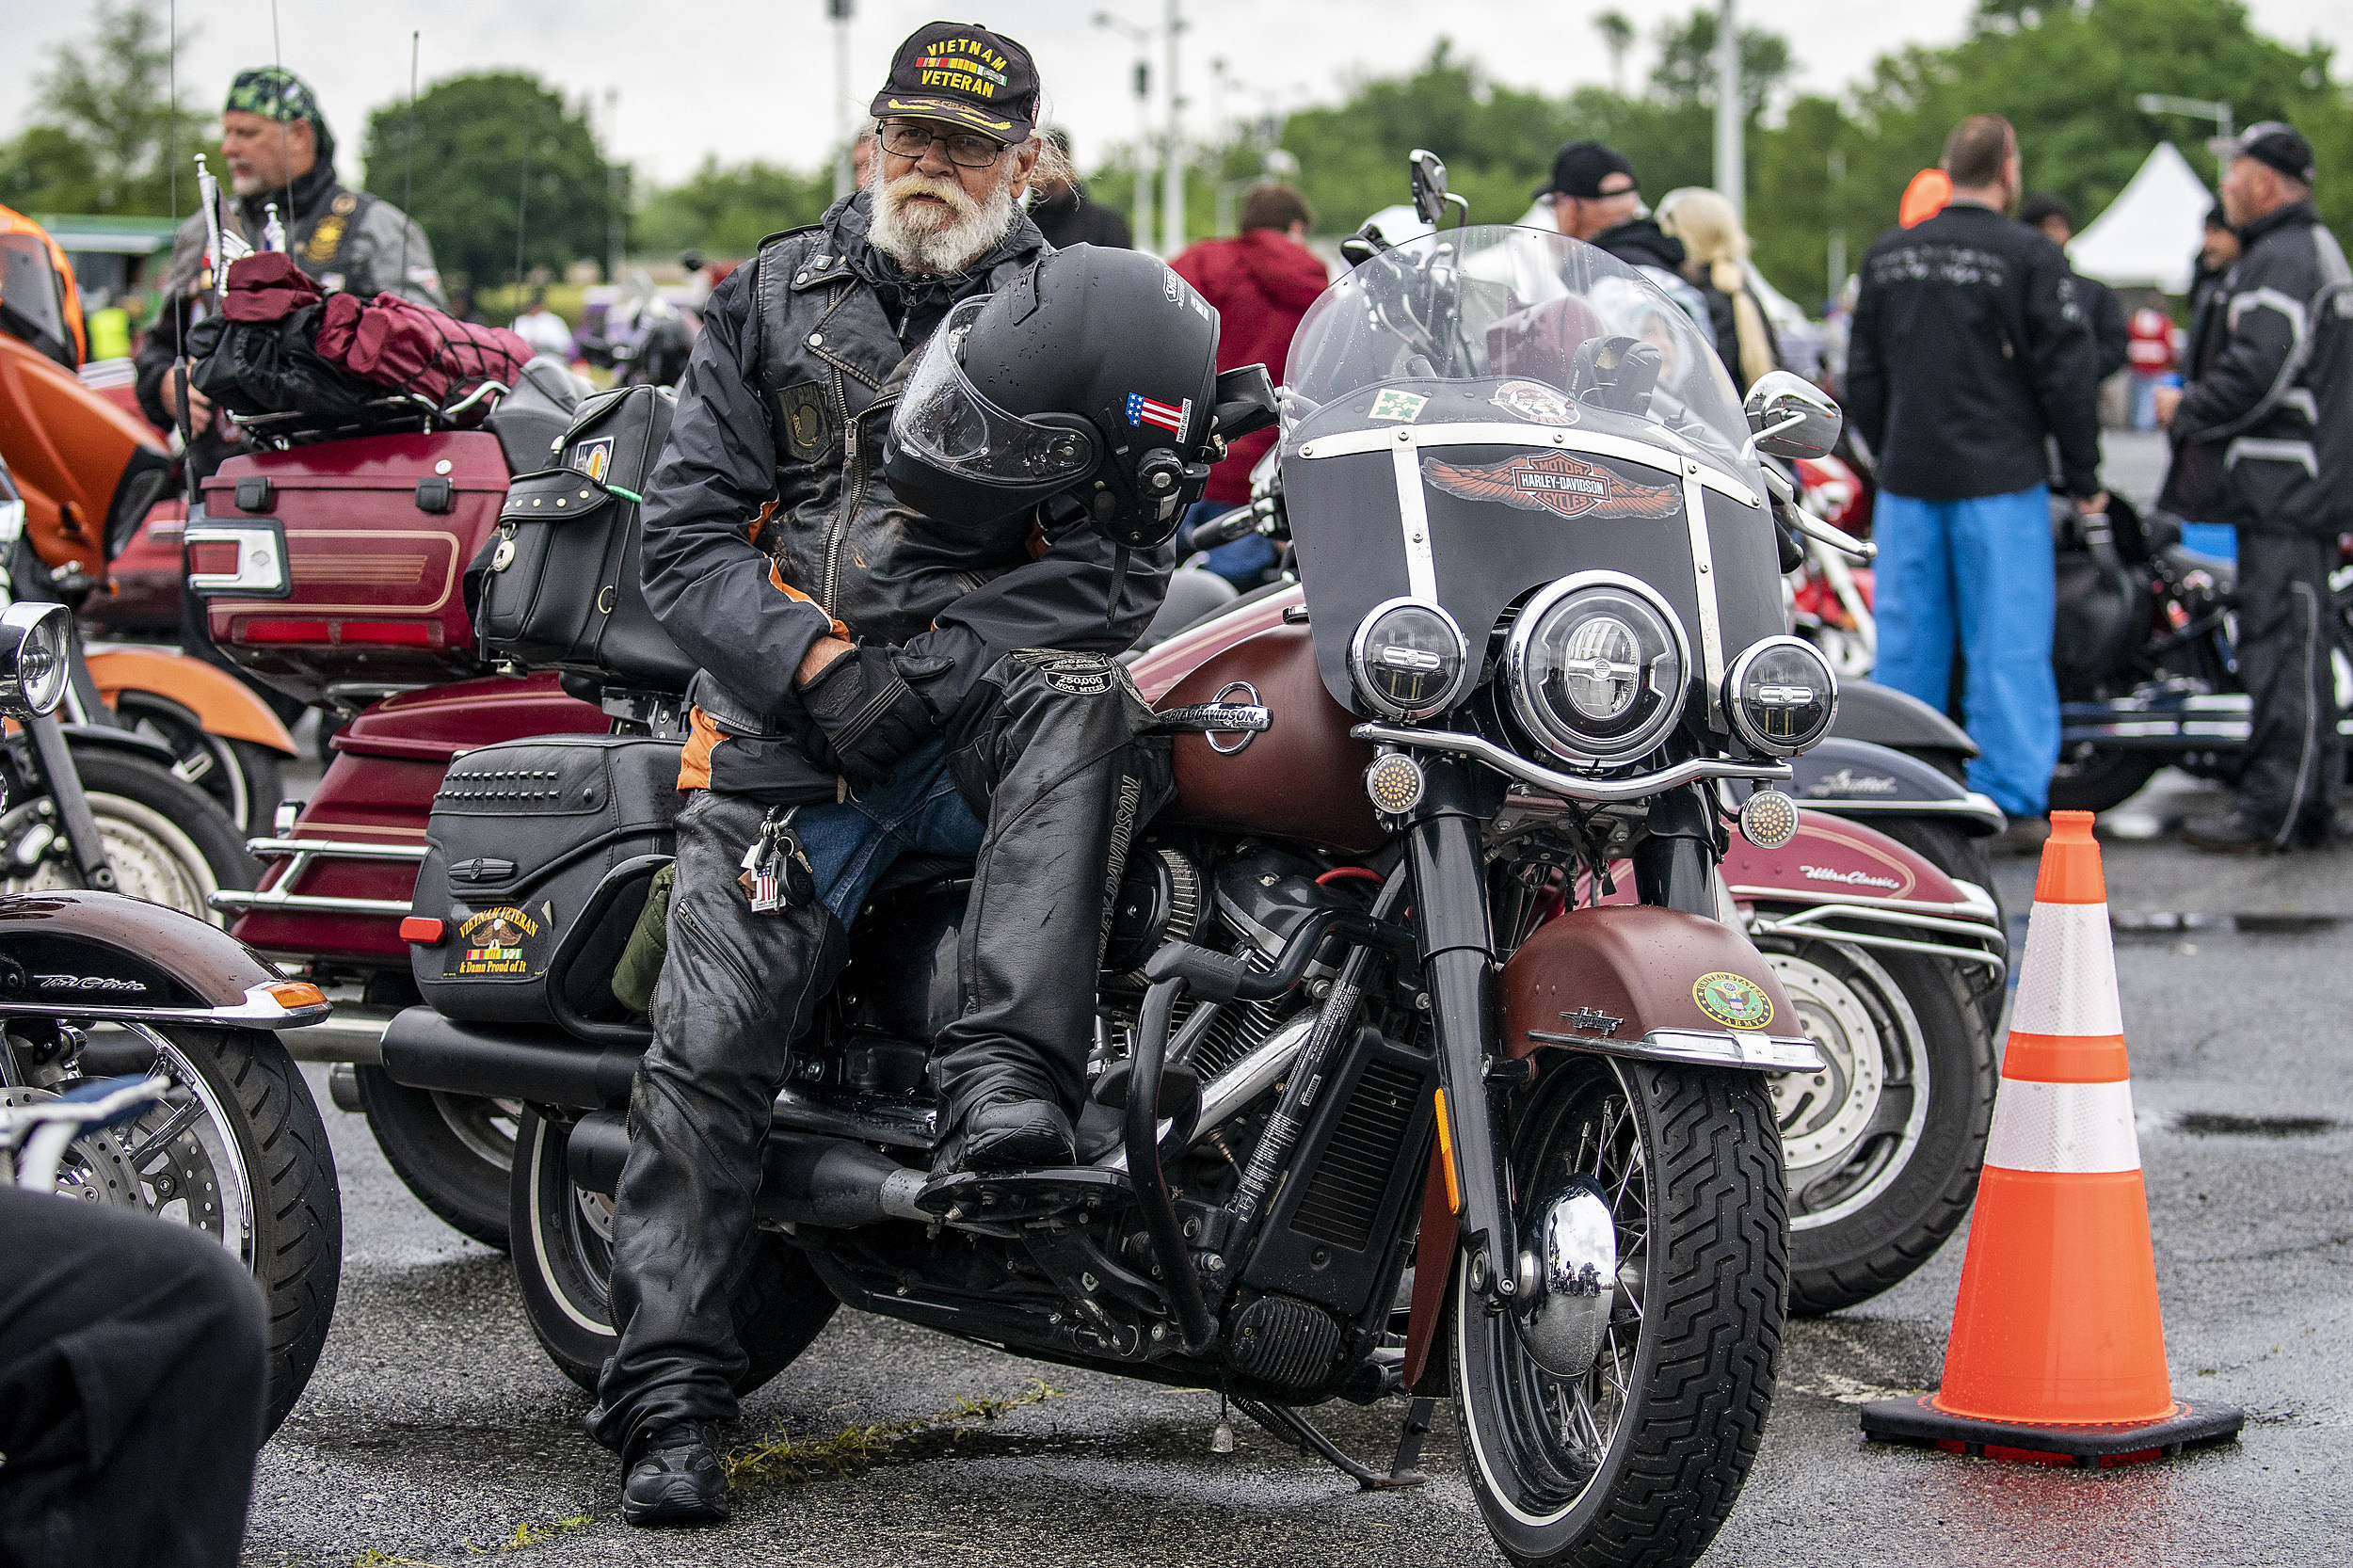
(963, 148)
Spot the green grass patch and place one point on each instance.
(783, 1460)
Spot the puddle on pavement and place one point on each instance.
(2171, 922)
(2217, 1123)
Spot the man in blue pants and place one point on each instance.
(1970, 355)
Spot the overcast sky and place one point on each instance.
(756, 80)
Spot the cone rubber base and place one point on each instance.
(1918, 1421)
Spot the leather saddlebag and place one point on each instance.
(537, 860)
(558, 583)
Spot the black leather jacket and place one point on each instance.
(768, 523)
(2263, 437)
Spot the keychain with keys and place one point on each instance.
(777, 872)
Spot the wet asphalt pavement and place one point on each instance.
(434, 1430)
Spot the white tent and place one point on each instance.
(2150, 233)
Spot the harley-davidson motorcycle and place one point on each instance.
(97, 984)
(1433, 1050)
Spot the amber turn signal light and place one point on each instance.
(421, 929)
(296, 995)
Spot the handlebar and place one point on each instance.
(1224, 528)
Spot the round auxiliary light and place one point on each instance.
(1768, 818)
(1408, 659)
(1780, 696)
(1596, 667)
(33, 662)
(1395, 783)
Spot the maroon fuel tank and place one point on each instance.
(1302, 778)
(377, 795)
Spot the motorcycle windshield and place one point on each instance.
(1482, 411)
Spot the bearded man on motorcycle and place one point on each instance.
(886, 669)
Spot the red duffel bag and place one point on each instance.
(397, 342)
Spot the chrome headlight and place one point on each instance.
(1596, 667)
(1780, 696)
(1408, 659)
(33, 663)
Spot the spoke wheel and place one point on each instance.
(1639, 1457)
(1882, 1147)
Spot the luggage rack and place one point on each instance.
(396, 413)
(276, 898)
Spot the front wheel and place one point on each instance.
(562, 1245)
(166, 841)
(1638, 1457)
(235, 1151)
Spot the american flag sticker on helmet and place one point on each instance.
(1168, 417)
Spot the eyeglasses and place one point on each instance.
(964, 148)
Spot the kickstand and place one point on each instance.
(1288, 1424)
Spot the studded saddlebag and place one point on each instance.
(557, 584)
(536, 863)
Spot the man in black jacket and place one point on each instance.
(1970, 350)
(1593, 197)
(2054, 217)
(873, 682)
(277, 150)
(1063, 212)
(2262, 438)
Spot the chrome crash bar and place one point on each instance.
(303, 851)
(1607, 791)
(1812, 923)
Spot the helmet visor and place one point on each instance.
(943, 420)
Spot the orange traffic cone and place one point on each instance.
(2058, 1349)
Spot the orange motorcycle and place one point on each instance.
(90, 474)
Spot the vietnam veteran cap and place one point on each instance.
(961, 73)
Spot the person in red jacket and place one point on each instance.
(1261, 282)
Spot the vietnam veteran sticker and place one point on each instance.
(1733, 1000)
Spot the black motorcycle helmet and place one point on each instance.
(1093, 376)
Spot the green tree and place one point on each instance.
(727, 211)
(1617, 36)
(1686, 73)
(470, 170)
(103, 137)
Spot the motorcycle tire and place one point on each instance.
(166, 841)
(241, 777)
(454, 1152)
(256, 1144)
(1969, 859)
(1880, 1172)
(562, 1250)
(2101, 780)
(1673, 1406)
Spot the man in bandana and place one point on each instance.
(277, 150)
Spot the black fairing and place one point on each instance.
(1344, 518)
(1885, 716)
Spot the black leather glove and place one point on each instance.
(867, 714)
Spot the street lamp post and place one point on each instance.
(1173, 159)
(2197, 108)
(842, 176)
(1731, 177)
(1141, 38)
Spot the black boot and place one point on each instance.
(678, 1479)
(1007, 1131)
(2229, 833)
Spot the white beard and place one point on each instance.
(925, 241)
(244, 185)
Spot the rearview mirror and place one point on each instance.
(1790, 417)
(1429, 185)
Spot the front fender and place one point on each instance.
(109, 957)
(1629, 980)
(129, 742)
(224, 705)
(1861, 778)
(1840, 881)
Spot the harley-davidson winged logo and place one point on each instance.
(1557, 483)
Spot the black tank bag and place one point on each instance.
(558, 583)
(538, 861)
